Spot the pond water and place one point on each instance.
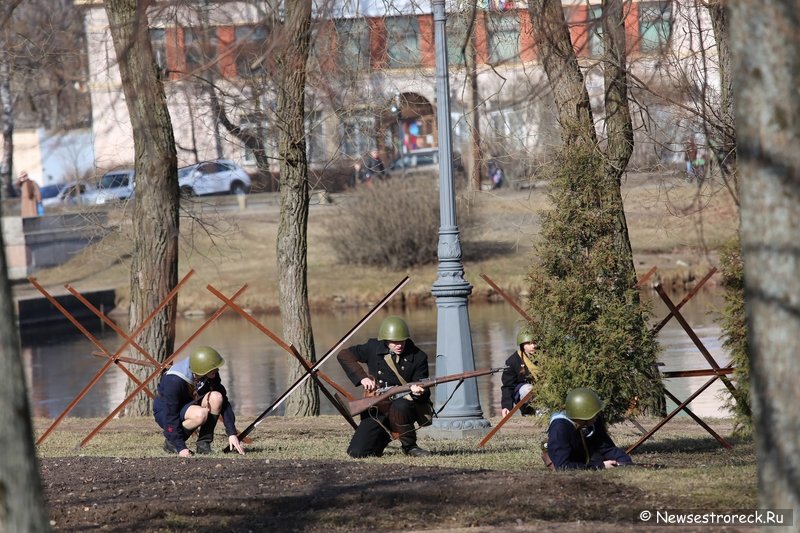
(58, 365)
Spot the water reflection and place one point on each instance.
(58, 367)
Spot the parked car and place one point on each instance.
(424, 161)
(50, 193)
(70, 194)
(114, 186)
(221, 176)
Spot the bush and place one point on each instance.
(589, 319)
(734, 334)
(393, 223)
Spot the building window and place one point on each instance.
(509, 127)
(262, 131)
(158, 42)
(503, 30)
(200, 45)
(402, 42)
(314, 137)
(357, 135)
(251, 50)
(352, 38)
(457, 39)
(655, 26)
(595, 29)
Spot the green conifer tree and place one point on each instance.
(734, 334)
(588, 315)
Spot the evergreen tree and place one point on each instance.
(734, 334)
(589, 319)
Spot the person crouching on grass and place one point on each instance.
(191, 396)
(577, 438)
(520, 374)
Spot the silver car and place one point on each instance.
(221, 176)
(114, 186)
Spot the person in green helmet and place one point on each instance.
(191, 397)
(577, 438)
(391, 359)
(520, 374)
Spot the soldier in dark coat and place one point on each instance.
(392, 359)
(577, 438)
(519, 376)
(191, 397)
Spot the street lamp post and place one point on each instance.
(462, 416)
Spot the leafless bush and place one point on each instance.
(393, 223)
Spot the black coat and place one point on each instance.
(566, 449)
(413, 364)
(515, 374)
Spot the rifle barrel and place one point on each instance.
(359, 406)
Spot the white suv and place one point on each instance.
(221, 176)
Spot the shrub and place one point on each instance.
(393, 223)
(734, 334)
(588, 315)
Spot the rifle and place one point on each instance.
(359, 406)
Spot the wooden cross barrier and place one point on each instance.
(162, 366)
(528, 396)
(317, 375)
(715, 371)
(112, 358)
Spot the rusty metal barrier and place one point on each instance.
(158, 367)
(716, 371)
(112, 358)
(317, 375)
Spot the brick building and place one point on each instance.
(371, 78)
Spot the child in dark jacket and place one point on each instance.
(191, 396)
(577, 438)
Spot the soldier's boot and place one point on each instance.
(408, 439)
(205, 434)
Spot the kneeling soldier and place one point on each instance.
(392, 359)
(191, 396)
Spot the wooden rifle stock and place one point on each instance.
(359, 406)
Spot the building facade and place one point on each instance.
(371, 79)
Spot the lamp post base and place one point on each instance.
(457, 429)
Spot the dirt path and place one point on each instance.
(222, 494)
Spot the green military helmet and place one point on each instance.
(205, 359)
(525, 336)
(583, 404)
(393, 328)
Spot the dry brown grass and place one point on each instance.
(672, 225)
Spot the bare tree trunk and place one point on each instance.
(154, 265)
(7, 102)
(22, 504)
(6, 166)
(561, 66)
(474, 157)
(723, 139)
(766, 70)
(619, 126)
(292, 239)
